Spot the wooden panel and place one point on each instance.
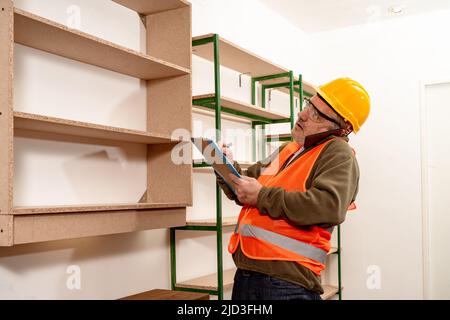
(242, 107)
(6, 230)
(49, 36)
(149, 7)
(209, 282)
(160, 294)
(329, 292)
(28, 121)
(234, 57)
(6, 112)
(169, 36)
(169, 104)
(226, 222)
(39, 228)
(169, 181)
(93, 208)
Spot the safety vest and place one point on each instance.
(264, 238)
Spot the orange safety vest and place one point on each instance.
(264, 238)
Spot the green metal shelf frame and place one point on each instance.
(214, 103)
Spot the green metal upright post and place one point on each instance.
(339, 263)
(173, 259)
(263, 127)
(300, 93)
(218, 190)
(253, 123)
(291, 97)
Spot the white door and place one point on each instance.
(436, 139)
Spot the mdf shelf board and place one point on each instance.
(169, 36)
(92, 208)
(161, 294)
(173, 179)
(154, 6)
(49, 227)
(169, 105)
(43, 34)
(41, 123)
(6, 230)
(209, 282)
(226, 222)
(6, 116)
(241, 107)
(329, 292)
(239, 59)
(224, 116)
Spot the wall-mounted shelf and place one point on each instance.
(167, 76)
(329, 292)
(94, 208)
(239, 59)
(40, 123)
(209, 282)
(43, 34)
(238, 108)
(151, 7)
(226, 222)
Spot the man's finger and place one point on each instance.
(235, 179)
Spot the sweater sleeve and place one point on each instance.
(331, 187)
(253, 171)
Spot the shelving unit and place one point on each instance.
(167, 73)
(224, 53)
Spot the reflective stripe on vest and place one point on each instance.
(284, 242)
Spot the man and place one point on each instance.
(292, 202)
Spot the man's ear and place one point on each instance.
(348, 128)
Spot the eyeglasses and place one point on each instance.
(315, 113)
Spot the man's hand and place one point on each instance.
(226, 150)
(247, 189)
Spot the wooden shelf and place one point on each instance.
(329, 292)
(226, 222)
(209, 282)
(43, 34)
(93, 208)
(32, 228)
(34, 122)
(160, 294)
(234, 57)
(155, 6)
(240, 107)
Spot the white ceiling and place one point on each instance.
(322, 15)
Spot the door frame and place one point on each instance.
(425, 178)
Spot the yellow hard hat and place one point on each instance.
(348, 98)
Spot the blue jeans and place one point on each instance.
(250, 285)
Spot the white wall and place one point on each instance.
(118, 265)
(390, 59)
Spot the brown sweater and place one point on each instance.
(331, 187)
